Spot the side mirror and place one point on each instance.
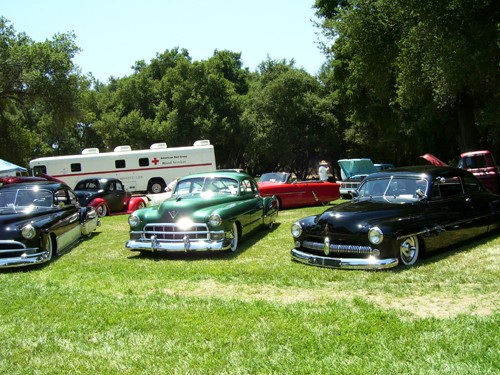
(420, 193)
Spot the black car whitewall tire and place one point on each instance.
(234, 237)
(48, 247)
(409, 251)
(102, 210)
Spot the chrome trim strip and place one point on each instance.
(345, 263)
(335, 248)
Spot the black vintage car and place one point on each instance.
(108, 196)
(395, 217)
(39, 220)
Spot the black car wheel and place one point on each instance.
(101, 209)
(234, 237)
(409, 250)
(47, 246)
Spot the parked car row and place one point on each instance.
(396, 216)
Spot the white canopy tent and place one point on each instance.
(9, 169)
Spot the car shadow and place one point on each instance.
(246, 243)
(447, 252)
(41, 266)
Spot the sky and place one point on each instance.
(114, 34)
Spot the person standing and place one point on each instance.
(323, 170)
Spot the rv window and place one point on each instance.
(143, 162)
(76, 167)
(120, 163)
(39, 169)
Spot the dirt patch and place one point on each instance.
(437, 305)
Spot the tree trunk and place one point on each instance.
(468, 135)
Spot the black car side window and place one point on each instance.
(61, 197)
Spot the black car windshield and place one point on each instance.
(394, 189)
(274, 177)
(25, 198)
(207, 186)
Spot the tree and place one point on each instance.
(39, 94)
(286, 121)
(417, 72)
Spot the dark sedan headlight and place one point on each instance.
(28, 232)
(296, 230)
(375, 235)
(214, 220)
(133, 220)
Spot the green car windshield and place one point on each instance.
(207, 186)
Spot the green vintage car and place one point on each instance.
(206, 212)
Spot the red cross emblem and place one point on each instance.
(155, 161)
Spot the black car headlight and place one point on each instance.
(296, 230)
(214, 220)
(133, 220)
(28, 232)
(375, 235)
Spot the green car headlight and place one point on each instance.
(375, 235)
(133, 221)
(214, 220)
(296, 230)
(28, 232)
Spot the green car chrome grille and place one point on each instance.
(173, 232)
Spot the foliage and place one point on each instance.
(103, 309)
(403, 67)
(400, 79)
(40, 90)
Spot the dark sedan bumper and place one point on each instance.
(370, 263)
(12, 256)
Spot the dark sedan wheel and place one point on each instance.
(47, 246)
(102, 210)
(409, 250)
(234, 237)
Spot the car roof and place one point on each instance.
(431, 171)
(51, 185)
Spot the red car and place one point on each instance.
(297, 193)
(108, 196)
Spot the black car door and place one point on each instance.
(115, 196)
(460, 214)
(67, 225)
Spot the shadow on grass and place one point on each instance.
(447, 252)
(244, 244)
(55, 258)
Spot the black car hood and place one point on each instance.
(11, 215)
(364, 212)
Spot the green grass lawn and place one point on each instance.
(104, 309)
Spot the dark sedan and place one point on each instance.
(39, 220)
(108, 196)
(395, 217)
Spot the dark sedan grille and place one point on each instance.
(172, 232)
(339, 248)
(10, 249)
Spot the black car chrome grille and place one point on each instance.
(338, 248)
(173, 232)
(11, 248)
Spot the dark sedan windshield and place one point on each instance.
(24, 198)
(394, 189)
